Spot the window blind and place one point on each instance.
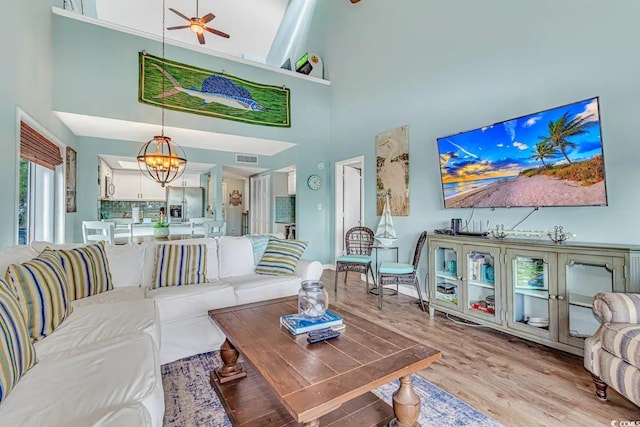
(37, 149)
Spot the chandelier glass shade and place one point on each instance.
(162, 160)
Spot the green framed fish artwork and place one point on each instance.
(189, 89)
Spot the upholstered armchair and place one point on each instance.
(612, 354)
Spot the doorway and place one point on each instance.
(349, 199)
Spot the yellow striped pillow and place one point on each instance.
(42, 290)
(87, 269)
(178, 265)
(17, 354)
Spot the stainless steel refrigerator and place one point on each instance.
(184, 203)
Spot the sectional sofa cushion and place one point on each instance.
(125, 263)
(150, 258)
(281, 257)
(260, 287)
(183, 302)
(89, 326)
(179, 265)
(235, 256)
(133, 414)
(42, 290)
(87, 269)
(65, 389)
(17, 354)
(128, 293)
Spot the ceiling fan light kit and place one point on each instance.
(198, 25)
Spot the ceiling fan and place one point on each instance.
(198, 25)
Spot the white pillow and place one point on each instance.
(15, 255)
(40, 246)
(150, 257)
(236, 256)
(124, 263)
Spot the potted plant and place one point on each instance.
(161, 229)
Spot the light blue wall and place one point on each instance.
(25, 82)
(107, 86)
(445, 67)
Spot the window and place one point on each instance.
(36, 214)
(40, 205)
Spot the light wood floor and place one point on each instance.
(514, 381)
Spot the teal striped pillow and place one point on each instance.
(42, 290)
(17, 354)
(281, 257)
(87, 269)
(259, 243)
(178, 265)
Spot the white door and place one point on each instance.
(260, 210)
(352, 199)
(349, 199)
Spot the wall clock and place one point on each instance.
(314, 182)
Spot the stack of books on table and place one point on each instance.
(297, 324)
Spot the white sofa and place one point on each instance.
(101, 366)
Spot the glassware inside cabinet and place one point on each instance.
(446, 261)
(481, 295)
(531, 292)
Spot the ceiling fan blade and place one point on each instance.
(200, 38)
(180, 27)
(216, 32)
(207, 18)
(179, 14)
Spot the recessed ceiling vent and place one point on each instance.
(247, 159)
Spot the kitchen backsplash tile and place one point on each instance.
(122, 209)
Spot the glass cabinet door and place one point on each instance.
(532, 285)
(482, 269)
(581, 278)
(445, 265)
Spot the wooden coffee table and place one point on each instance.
(284, 381)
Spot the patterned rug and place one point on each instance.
(190, 400)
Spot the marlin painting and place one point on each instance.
(215, 89)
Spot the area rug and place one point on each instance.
(190, 400)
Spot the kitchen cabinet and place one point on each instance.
(291, 183)
(533, 289)
(132, 185)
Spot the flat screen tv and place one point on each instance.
(550, 158)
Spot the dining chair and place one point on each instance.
(98, 231)
(394, 273)
(214, 228)
(358, 243)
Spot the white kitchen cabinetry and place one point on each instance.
(291, 183)
(132, 185)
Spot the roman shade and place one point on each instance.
(37, 149)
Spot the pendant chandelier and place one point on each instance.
(161, 159)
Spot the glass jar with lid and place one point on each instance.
(313, 300)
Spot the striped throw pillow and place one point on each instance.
(281, 257)
(42, 290)
(178, 265)
(259, 243)
(87, 269)
(17, 354)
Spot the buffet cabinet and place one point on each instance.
(533, 289)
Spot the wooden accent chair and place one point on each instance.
(612, 354)
(358, 242)
(393, 273)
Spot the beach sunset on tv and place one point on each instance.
(550, 158)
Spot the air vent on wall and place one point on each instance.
(246, 158)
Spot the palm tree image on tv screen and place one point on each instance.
(550, 158)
